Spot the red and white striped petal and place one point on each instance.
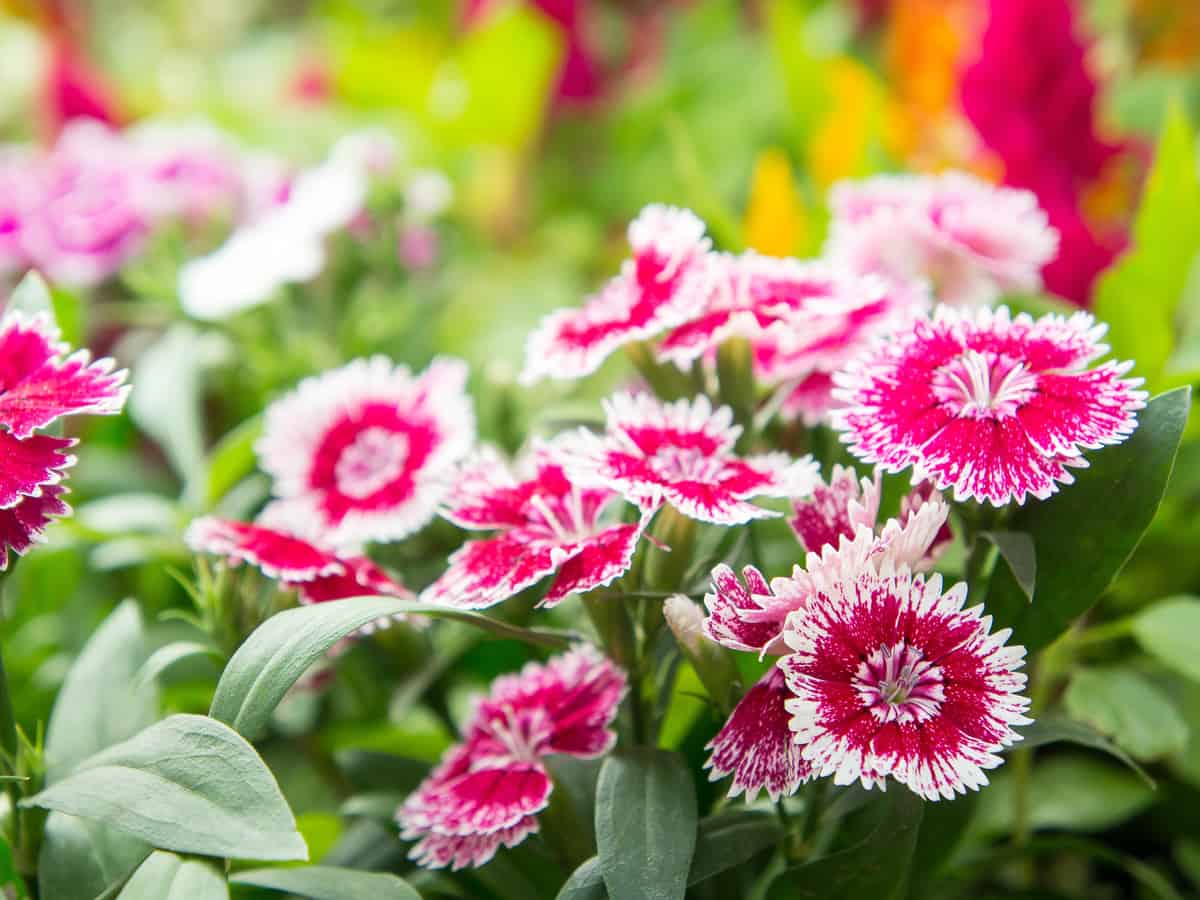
(665, 283)
(992, 406)
(755, 745)
(276, 553)
(23, 524)
(837, 509)
(483, 573)
(30, 465)
(746, 616)
(892, 678)
(38, 384)
(440, 851)
(596, 561)
(361, 578)
(365, 452)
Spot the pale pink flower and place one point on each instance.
(682, 454)
(365, 452)
(891, 677)
(970, 240)
(993, 406)
(488, 790)
(546, 525)
(664, 284)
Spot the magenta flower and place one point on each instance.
(755, 745)
(364, 453)
(488, 790)
(891, 677)
(191, 170)
(545, 525)
(992, 406)
(750, 296)
(968, 239)
(41, 381)
(316, 573)
(837, 509)
(664, 284)
(682, 454)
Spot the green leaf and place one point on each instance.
(585, 883)
(1018, 551)
(101, 701)
(188, 784)
(31, 297)
(1140, 295)
(730, 839)
(645, 824)
(1084, 534)
(81, 859)
(165, 876)
(286, 645)
(1078, 793)
(1055, 729)
(10, 881)
(1170, 632)
(876, 867)
(329, 883)
(166, 656)
(231, 460)
(1122, 704)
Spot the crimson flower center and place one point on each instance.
(674, 464)
(898, 684)
(522, 733)
(562, 516)
(984, 385)
(374, 459)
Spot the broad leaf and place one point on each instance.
(81, 859)
(329, 883)
(876, 867)
(585, 883)
(1122, 704)
(645, 824)
(1170, 631)
(188, 784)
(1055, 729)
(101, 701)
(165, 876)
(1139, 296)
(166, 656)
(730, 839)
(1018, 551)
(1084, 534)
(286, 645)
(31, 297)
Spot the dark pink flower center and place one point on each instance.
(898, 684)
(562, 517)
(675, 464)
(984, 385)
(523, 733)
(374, 459)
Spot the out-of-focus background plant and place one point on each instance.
(231, 195)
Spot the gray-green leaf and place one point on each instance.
(1170, 631)
(329, 883)
(1124, 705)
(189, 784)
(645, 824)
(165, 876)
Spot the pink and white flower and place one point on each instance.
(755, 745)
(41, 381)
(682, 454)
(191, 169)
(970, 240)
(750, 296)
(994, 406)
(664, 284)
(365, 452)
(546, 525)
(316, 573)
(891, 677)
(488, 790)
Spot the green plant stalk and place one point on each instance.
(735, 377)
(666, 380)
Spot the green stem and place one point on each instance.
(735, 376)
(666, 380)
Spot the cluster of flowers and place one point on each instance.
(881, 672)
(41, 381)
(81, 210)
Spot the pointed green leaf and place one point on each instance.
(1085, 533)
(165, 876)
(188, 784)
(81, 859)
(1140, 295)
(730, 839)
(31, 297)
(1056, 729)
(1124, 705)
(585, 883)
(1018, 551)
(329, 883)
(1170, 631)
(645, 824)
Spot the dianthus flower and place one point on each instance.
(891, 677)
(546, 525)
(487, 791)
(993, 406)
(315, 572)
(41, 381)
(664, 284)
(970, 240)
(682, 454)
(364, 453)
